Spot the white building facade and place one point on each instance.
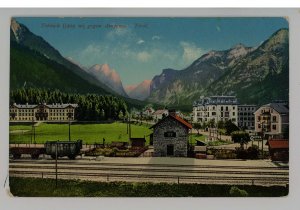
(217, 108)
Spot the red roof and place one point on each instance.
(176, 117)
(179, 119)
(278, 143)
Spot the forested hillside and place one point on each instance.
(91, 107)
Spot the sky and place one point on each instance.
(139, 48)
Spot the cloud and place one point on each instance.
(118, 33)
(190, 52)
(143, 56)
(140, 41)
(218, 28)
(155, 37)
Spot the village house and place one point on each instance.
(148, 111)
(42, 112)
(159, 114)
(170, 136)
(272, 119)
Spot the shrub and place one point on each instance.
(241, 153)
(240, 137)
(253, 152)
(236, 192)
(250, 153)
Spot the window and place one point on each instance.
(170, 134)
(274, 127)
(226, 108)
(259, 126)
(274, 119)
(258, 118)
(213, 113)
(233, 113)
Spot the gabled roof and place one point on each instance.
(177, 118)
(278, 143)
(24, 106)
(137, 139)
(51, 106)
(281, 108)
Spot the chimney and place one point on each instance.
(172, 112)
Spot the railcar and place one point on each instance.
(64, 148)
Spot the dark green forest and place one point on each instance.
(91, 107)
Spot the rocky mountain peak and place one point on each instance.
(140, 91)
(239, 50)
(16, 29)
(108, 76)
(278, 40)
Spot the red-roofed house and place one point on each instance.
(170, 136)
(278, 149)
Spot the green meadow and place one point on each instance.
(36, 187)
(89, 133)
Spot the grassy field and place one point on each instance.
(37, 187)
(193, 137)
(89, 133)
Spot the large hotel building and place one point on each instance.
(217, 108)
(42, 112)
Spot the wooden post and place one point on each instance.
(56, 164)
(177, 180)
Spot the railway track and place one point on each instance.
(151, 172)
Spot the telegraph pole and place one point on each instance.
(69, 129)
(56, 164)
(127, 121)
(262, 141)
(69, 117)
(31, 132)
(130, 125)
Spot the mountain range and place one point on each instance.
(253, 74)
(35, 63)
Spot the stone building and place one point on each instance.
(170, 136)
(42, 112)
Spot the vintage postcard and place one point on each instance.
(149, 106)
